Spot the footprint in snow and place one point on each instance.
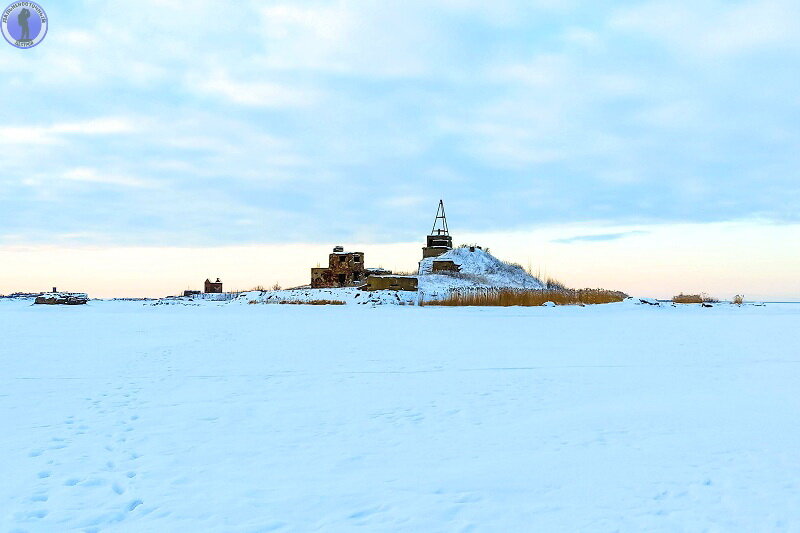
(134, 504)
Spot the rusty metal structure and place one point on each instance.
(439, 240)
(345, 269)
(213, 287)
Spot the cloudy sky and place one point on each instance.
(573, 135)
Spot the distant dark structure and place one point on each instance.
(345, 269)
(62, 298)
(191, 293)
(439, 241)
(213, 287)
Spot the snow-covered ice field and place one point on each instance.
(119, 416)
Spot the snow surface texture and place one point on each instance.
(348, 295)
(124, 416)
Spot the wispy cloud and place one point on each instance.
(715, 28)
(36, 134)
(599, 237)
(91, 175)
(253, 93)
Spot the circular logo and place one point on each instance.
(24, 24)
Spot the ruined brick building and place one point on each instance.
(345, 269)
(213, 287)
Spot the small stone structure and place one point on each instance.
(444, 265)
(390, 283)
(190, 293)
(213, 287)
(345, 269)
(62, 298)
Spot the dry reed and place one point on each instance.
(693, 299)
(527, 297)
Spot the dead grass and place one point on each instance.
(693, 299)
(524, 297)
(553, 284)
(738, 299)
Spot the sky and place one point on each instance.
(647, 146)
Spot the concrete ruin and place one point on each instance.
(391, 283)
(444, 265)
(345, 269)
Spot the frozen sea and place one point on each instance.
(124, 416)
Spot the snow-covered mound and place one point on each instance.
(477, 268)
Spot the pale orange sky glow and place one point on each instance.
(753, 258)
